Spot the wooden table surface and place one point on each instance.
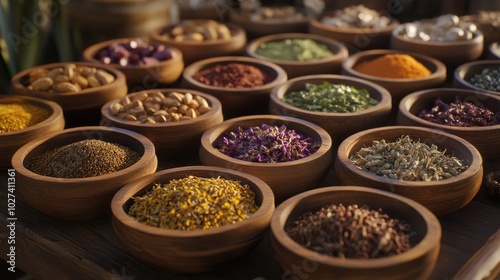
(47, 248)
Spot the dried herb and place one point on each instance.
(193, 202)
(294, 50)
(460, 113)
(352, 232)
(488, 79)
(407, 160)
(266, 143)
(333, 98)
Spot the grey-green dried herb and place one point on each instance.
(333, 98)
(193, 203)
(352, 232)
(488, 79)
(86, 158)
(407, 160)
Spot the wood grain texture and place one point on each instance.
(441, 197)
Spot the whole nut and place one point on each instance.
(93, 81)
(61, 78)
(80, 80)
(104, 77)
(65, 87)
(42, 84)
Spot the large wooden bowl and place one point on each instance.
(170, 138)
(484, 138)
(441, 197)
(397, 87)
(338, 125)
(10, 142)
(79, 199)
(193, 50)
(464, 72)
(330, 65)
(195, 250)
(416, 263)
(140, 77)
(284, 178)
(237, 101)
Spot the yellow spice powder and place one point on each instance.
(395, 66)
(17, 116)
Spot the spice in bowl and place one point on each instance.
(18, 116)
(356, 17)
(352, 232)
(194, 203)
(155, 107)
(266, 144)
(460, 113)
(407, 160)
(198, 31)
(332, 98)
(445, 28)
(393, 66)
(82, 159)
(67, 79)
(232, 75)
(133, 53)
(294, 50)
(279, 14)
(488, 79)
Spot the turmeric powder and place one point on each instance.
(395, 66)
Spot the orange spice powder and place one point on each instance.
(395, 66)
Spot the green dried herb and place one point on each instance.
(294, 50)
(333, 98)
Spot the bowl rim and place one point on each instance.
(385, 101)
(119, 78)
(214, 103)
(326, 140)
(90, 51)
(475, 165)
(237, 33)
(191, 69)
(431, 237)
(341, 54)
(122, 196)
(351, 61)
(404, 104)
(478, 38)
(494, 50)
(463, 69)
(55, 111)
(316, 22)
(19, 156)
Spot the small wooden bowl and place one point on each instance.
(484, 138)
(171, 137)
(284, 178)
(397, 87)
(141, 77)
(237, 101)
(196, 250)
(194, 51)
(467, 70)
(494, 51)
(10, 142)
(338, 125)
(80, 108)
(451, 54)
(441, 197)
(356, 39)
(78, 199)
(330, 65)
(416, 263)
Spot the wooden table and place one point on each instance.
(47, 248)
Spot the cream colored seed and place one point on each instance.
(61, 78)
(42, 84)
(93, 81)
(104, 77)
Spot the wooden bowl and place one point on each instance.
(237, 101)
(170, 138)
(484, 138)
(451, 54)
(397, 87)
(11, 141)
(464, 72)
(330, 65)
(338, 125)
(79, 199)
(441, 197)
(493, 51)
(416, 263)
(195, 250)
(140, 77)
(356, 39)
(284, 178)
(81, 107)
(194, 51)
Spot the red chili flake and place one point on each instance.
(232, 75)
